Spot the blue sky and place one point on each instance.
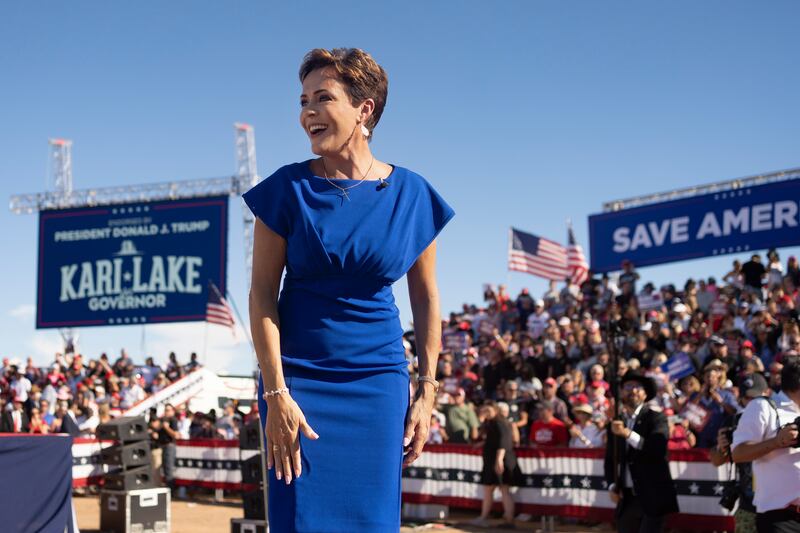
(520, 113)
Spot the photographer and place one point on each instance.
(767, 436)
(751, 387)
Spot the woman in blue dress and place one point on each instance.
(334, 392)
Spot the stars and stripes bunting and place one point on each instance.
(559, 482)
(563, 482)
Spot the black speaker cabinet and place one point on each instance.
(124, 429)
(248, 436)
(254, 505)
(127, 455)
(251, 470)
(133, 479)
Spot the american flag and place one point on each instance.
(217, 309)
(576, 262)
(537, 255)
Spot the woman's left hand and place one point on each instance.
(418, 424)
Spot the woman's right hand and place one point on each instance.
(499, 468)
(285, 419)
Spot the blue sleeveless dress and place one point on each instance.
(341, 340)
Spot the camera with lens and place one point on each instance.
(728, 432)
(797, 425)
(729, 496)
(731, 492)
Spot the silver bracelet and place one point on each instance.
(275, 392)
(429, 380)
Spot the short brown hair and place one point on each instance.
(357, 69)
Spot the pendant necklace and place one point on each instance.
(344, 194)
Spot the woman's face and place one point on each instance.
(326, 115)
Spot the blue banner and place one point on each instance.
(735, 221)
(678, 366)
(136, 263)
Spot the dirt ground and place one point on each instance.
(203, 515)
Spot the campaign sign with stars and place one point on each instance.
(135, 263)
(747, 219)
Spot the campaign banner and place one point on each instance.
(136, 263)
(678, 366)
(457, 341)
(176, 393)
(650, 302)
(739, 220)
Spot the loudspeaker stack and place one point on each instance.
(129, 461)
(132, 498)
(255, 515)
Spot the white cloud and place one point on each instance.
(23, 311)
(44, 346)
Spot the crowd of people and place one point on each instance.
(545, 364)
(75, 394)
(539, 367)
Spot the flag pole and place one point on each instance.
(508, 267)
(205, 341)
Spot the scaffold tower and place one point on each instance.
(247, 174)
(60, 194)
(60, 175)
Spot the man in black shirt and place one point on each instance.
(628, 275)
(524, 307)
(167, 435)
(753, 272)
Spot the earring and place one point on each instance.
(364, 131)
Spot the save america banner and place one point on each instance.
(136, 263)
(733, 221)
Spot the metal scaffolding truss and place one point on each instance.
(63, 196)
(171, 190)
(739, 183)
(247, 176)
(61, 165)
